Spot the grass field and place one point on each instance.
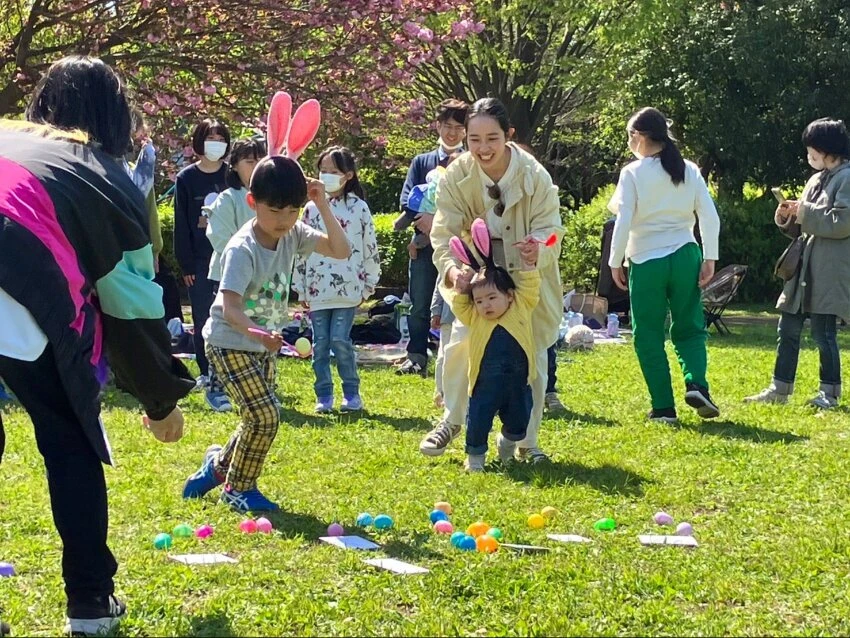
(766, 489)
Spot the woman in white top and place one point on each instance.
(655, 202)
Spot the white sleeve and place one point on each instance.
(623, 204)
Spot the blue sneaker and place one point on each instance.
(218, 401)
(247, 501)
(324, 405)
(205, 479)
(354, 404)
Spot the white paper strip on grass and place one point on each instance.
(659, 539)
(525, 548)
(349, 542)
(568, 538)
(395, 566)
(202, 559)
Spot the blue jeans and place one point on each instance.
(201, 295)
(552, 360)
(422, 279)
(788, 351)
(501, 388)
(332, 329)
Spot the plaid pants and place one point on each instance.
(249, 379)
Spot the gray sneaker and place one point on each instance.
(824, 401)
(474, 463)
(553, 403)
(768, 395)
(438, 439)
(506, 449)
(533, 454)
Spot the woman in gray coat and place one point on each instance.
(820, 289)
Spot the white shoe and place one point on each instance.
(474, 463)
(506, 449)
(768, 395)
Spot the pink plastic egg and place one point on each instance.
(248, 526)
(204, 531)
(663, 518)
(335, 529)
(684, 529)
(264, 525)
(443, 527)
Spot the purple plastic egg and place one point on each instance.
(6, 570)
(684, 529)
(663, 518)
(335, 529)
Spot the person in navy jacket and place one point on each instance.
(450, 126)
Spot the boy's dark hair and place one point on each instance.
(203, 129)
(828, 136)
(85, 93)
(452, 110)
(344, 160)
(279, 182)
(493, 276)
(652, 123)
(252, 148)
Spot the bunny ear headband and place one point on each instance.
(481, 240)
(292, 132)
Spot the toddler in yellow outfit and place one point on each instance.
(497, 310)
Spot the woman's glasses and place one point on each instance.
(494, 192)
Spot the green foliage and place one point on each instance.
(165, 210)
(393, 248)
(583, 242)
(383, 188)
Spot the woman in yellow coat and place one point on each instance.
(502, 184)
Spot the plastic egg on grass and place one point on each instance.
(456, 538)
(443, 527)
(248, 526)
(467, 544)
(477, 529)
(7, 570)
(536, 521)
(495, 532)
(204, 531)
(162, 541)
(335, 529)
(303, 346)
(443, 506)
(383, 522)
(486, 544)
(183, 531)
(438, 515)
(662, 518)
(548, 512)
(364, 519)
(264, 525)
(605, 525)
(684, 529)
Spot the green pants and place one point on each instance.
(670, 282)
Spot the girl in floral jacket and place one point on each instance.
(332, 289)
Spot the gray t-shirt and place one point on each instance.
(262, 277)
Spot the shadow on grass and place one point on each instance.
(216, 624)
(294, 418)
(742, 432)
(293, 524)
(610, 479)
(411, 551)
(586, 419)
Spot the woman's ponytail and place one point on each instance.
(652, 123)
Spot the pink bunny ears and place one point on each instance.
(481, 239)
(292, 132)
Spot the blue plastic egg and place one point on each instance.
(456, 538)
(364, 519)
(467, 543)
(383, 522)
(438, 515)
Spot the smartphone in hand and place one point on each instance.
(777, 193)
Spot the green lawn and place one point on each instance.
(766, 489)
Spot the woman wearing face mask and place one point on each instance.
(654, 203)
(333, 288)
(820, 289)
(198, 185)
(499, 182)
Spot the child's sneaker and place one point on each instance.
(324, 405)
(100, 616)
(354, 404)
(553, 403)
(699, 399)
(506, 449)
(436, 441)
(205, 479)
(663, 415)
(824, 401)
(247, 501)
(218, 401)
(474, 463)
(769, 395)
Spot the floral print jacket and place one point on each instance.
(324, 282)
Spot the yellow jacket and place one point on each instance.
(531, 208)
(516, 320)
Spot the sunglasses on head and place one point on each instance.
(494, 192)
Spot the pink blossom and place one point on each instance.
(426, 34)
(411, 29)
(209, 90)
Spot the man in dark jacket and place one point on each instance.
(451, 127)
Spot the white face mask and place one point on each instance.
(214, 150)
(450, 147)
(332, 181)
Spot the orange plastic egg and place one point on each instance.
(486, 544)
(477, 529)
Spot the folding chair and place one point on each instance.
(719, 292)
